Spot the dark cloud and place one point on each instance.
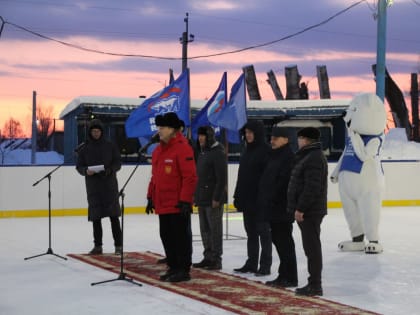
(246, 23)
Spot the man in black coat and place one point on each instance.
(99, 160)
(307, 200)
(210, 196)
(273, 199)
(257, 227)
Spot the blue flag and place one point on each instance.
(233, 115)
(214, 104)
(173, 98)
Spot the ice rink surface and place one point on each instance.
(387, 283)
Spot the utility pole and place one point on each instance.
(415, 106)
(381, 48)
(184, 40)
(34, 129)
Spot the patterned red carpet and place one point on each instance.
(225, 291)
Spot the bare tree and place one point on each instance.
(12, 129)
(44, 125)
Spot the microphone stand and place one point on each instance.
(122, 275)
(49, 250)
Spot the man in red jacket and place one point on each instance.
(170, 193)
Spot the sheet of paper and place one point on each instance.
(96, 168)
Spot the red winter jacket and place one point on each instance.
(173, 175)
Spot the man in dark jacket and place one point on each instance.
(307, 200)
(210, 196)
(257, 227)
(273, 199)
(170, 193)
(99, 160)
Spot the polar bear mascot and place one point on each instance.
(359, 173)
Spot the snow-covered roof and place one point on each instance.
(100, 100)
(198, 104)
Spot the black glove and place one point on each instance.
(150, 207)
(185, 208)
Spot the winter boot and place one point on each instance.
(97, 250)
(118, 250)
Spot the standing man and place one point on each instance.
(307, 200)
(170, 193)
(210, 196)
(99, 161)
(257, 228)
(273, 199)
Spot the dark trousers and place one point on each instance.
(176, 235)
(211, 231)
(282, 237)
(116, 231)
(258, 232)
(310, 229)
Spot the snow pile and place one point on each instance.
(397, 147)
(23, 157)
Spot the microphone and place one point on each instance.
(79, 147)
(155, 139)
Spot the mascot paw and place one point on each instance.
(350, 246)
(373, 248)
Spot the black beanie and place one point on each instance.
(310, 133)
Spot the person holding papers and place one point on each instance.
(99, 161)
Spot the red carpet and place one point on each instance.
(225, 291)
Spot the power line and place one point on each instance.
(180, 58)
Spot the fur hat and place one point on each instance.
(310, 133)
(168, 120)
(207, 131)
(279, 132)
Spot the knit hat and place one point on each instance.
(96, 124)
(310, 133)
(279, 132)
(170, 120)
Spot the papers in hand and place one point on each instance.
(96, 168)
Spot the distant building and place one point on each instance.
(326, 114)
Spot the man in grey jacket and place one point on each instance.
(210, 196)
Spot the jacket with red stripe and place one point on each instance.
(173, 175)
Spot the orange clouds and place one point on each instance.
(59, 73)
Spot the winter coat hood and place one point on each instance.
(210, 136)
(95, 124)
(257, 128)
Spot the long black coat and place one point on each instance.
(251, 166)
(274, 180)
(308, 185)
(101, 188)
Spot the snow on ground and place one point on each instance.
(23, 157)
(388, 283)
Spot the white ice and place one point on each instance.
(387, 283)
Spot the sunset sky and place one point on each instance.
(346, 45)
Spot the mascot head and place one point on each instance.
(366, 114)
